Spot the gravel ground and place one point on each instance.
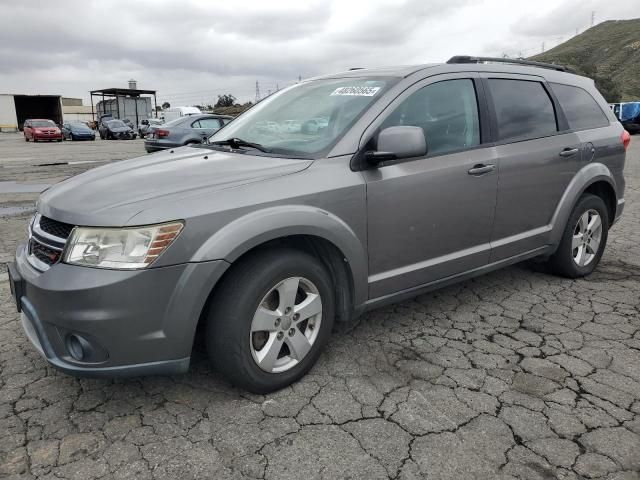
(517, 374)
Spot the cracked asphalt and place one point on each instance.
(514, 375)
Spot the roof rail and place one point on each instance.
(516, 61)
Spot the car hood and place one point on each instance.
(119, 129)
(111, 195)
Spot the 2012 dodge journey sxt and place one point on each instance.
(328, 198)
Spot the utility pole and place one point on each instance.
(593, 18)
(542, 47)
(299, 78)
(257, 91)
(277, 87)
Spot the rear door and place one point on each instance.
(206, 127)
(538, 156)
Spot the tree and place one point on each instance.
(166, 105)
(225, 101)
(608, 88)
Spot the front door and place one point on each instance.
(430, 218)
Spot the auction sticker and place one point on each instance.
(356, 91)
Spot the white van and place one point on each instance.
(177, 112)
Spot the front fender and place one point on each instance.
(241, 235)
(588, 175)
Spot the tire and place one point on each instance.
(566, 261)
(248, 287)
(26, 139)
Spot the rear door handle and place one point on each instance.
(569, 152)
(481, 169)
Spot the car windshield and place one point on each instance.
(307, 119)
(43, 123)
(79, 125)
(116, 123)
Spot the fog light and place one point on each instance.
(75, 346)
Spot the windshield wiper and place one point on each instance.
(236, 143)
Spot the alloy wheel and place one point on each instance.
(587, 236)
(286, 324)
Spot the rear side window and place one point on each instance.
(523, 109)
(580, 108)
(209, 123)
(446, 111)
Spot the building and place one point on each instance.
(132, 108)
(125, 103)
(15, 109)
(74, 111)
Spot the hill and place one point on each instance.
(609, 53)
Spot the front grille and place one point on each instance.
(43, 253)
(55, 228)
(47, 238)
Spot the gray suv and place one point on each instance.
(261, 239)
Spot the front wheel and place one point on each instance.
(583, 240)
(269, 319)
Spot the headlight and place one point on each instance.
(120, 248)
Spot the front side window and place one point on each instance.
(446, 111)
(580, 108)
(321, 111)
(523, 109)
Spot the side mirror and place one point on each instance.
(398, 142)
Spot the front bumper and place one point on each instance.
(83, 136)
(41, 137)
(128, 323)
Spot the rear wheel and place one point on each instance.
(269, 319)
(583, 240)
(26, 139)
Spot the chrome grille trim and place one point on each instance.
(36, 234)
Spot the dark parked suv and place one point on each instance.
(421, 177)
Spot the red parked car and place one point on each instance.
(41, 129)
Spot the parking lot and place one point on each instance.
(514, 375)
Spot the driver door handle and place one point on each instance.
(481, 169)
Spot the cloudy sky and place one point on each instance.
(193, 50)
